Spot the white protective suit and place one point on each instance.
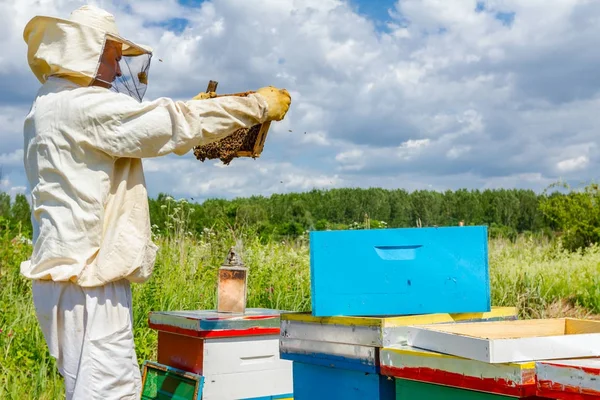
(83, 148)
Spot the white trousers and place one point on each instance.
(89, 331)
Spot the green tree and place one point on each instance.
(575, 215)
(20, 214)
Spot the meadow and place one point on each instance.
(529, 272)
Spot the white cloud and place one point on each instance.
(12, 159)
(412, 148)
(243, 177)
(573, 164)
(7, 186)
(14, 190)
(457, 151)
(446, 97)
(351, 160)
(317, 138)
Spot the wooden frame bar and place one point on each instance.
(212, 324)
(511, 341)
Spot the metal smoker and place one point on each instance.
(233, 285)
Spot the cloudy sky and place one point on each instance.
(417, 94)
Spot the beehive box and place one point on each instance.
(342, 353)
(577, 379)
(163, 382)
(354, 342)
(411, 390)
(399, 271)
(511, 341)
(408, 363)
(236, 354)
(313, 382)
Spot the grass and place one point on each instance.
(537, 277)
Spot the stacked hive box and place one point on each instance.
(405, 313)
(213, 355)
(495, 360)
(339, 357)
(367, 287)
(432, 375)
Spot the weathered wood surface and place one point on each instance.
(210, 323)
(237, 354)
(510, 379)
(511, 341)
(354, 342)
(376, 331)
(577, 379)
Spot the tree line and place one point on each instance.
(574, 214)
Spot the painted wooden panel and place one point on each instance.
(247, 385)
(569, 379)
(180, 351)
(220, 355)
(375, 331)
(510, 379)
(318, 382)
(335, 355)
(163, 382)
(399, 271)
(210, 323)
(511, 341)
(410, 390)
(238, 355)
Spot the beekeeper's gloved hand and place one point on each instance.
(204, 96)
(278, 101)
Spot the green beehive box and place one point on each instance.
(410, 390)
(161, 382)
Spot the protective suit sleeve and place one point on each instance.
(122, 127)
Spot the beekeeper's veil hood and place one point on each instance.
(88, 50)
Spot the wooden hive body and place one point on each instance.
(237, 354)
(399, 271)
(409, 363)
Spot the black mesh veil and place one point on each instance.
(124, 73)
(134, 76)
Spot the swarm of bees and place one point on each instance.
(245, 142)
(239, 144)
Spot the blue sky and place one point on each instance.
(441, 94)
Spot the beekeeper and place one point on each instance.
(84, 139)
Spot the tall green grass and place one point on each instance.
(528, 273)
